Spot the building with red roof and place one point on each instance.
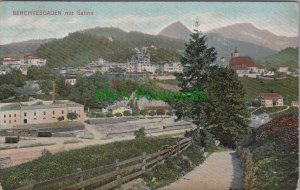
(270, 99)
(245, 65)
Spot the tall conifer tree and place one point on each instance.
(196, 63)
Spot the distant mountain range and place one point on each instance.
(247, 38)
(245, 32)
(20, 48)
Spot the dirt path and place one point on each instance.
(220, 171)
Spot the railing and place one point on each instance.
(115, 174)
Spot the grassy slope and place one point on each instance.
(60, 164)
(286, 87)
(288, 57)
(253, 87)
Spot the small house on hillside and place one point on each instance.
(270, 99)
(295, 104)
(283, 69)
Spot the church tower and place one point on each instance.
(235, 53)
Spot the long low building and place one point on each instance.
(38, 112)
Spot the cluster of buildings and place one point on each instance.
(142, 104)
(138, 67)
(273, 99)
(245, 66)
(38, 112)
(21, 63)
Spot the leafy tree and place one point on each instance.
(226, 112)
(152, 113)
(109, 114)
(118, 115)
(62, 88)
(117, 70)
(72, 116)
(14, 77)
(127, 113)
(61, 118)
(140, 134)
(7, 90)
(144, 112)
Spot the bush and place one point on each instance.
(169, 113)
(61, 118)
(72, 116)
(144, 112)
(152, 113)
(140, 133)
(109, 114)
(161, 112)
(135, 112)
(118, 115)
(127, 113)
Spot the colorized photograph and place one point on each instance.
(149, 95)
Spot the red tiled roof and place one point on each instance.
(240, 67)
(271, 96)
(247, 61)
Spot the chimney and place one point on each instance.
(53, 93)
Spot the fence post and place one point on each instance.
(117, 169)
(80, 178)
(144, 162)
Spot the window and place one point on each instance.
(15, 121)
(44, 112)
(62, 111)
(9, 115)
(9, 121)
(53, 112)
(4, 121)
(4, 115)
(25, 114)
(15, 115)
(34, 119)
(34, 113)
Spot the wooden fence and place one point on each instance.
(115, 174)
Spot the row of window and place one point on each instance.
(9, 115)
(44, 113)
(10, 121)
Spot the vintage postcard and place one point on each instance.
(149, 95)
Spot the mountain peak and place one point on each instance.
(248, 32)
(176, 30)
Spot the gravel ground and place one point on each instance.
(220, 171)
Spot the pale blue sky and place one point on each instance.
(148, 17)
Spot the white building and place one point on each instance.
(283, 69)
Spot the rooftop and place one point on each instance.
(37, 104)
(270, 96)
(246, 61)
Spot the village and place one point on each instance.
(140, 96)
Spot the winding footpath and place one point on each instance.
(220, 171)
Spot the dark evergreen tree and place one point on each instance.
(226, 115)
(196, 63)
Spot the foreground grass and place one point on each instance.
(174, 168)
(52, 166)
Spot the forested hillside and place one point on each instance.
(287, 57)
